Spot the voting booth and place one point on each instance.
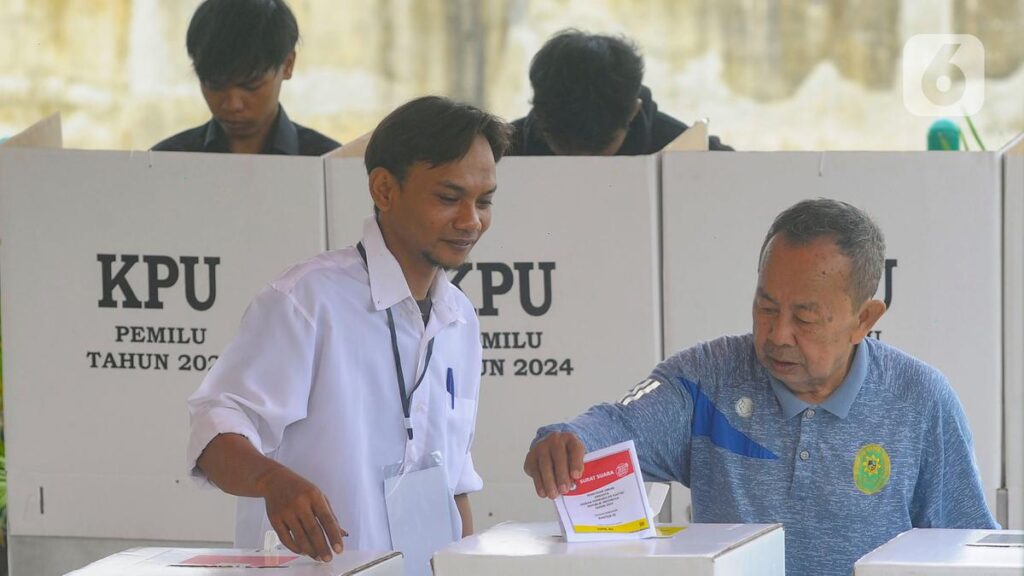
(512, 549)
(1013, 328)
(123, 276)
(941, 216)
(225, 562)
(565, 284)
(946, 552)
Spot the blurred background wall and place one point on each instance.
(770, 75)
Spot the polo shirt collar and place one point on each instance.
(283, 137)
(840, 401)
(388, 285)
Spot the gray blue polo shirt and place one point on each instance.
(887, 451)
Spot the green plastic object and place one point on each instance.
(944, 134)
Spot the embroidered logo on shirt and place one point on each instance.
(745, 407)
(871, 469)
(638, 391)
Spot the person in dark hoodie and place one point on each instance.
(589, 100)
(242, 51)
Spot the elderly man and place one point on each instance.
(845, 440)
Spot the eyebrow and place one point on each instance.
(462, 190)
(808, 306)
(762, 294)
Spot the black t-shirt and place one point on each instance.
(286, 137)
(649, 132)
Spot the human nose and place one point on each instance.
(780, 330)
(233, 100)
(468, 217)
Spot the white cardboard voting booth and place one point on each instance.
(513, 549)
(566, 286)
(1013, 329)
(939, 552)
(123, 276)
(940, 214)
(168, 562)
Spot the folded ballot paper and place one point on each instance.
(608, 502)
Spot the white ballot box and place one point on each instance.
(944, 552)
(512, 549)
(224, 561)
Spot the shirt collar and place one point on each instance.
(388, 285)
(840, 401)
(283, 137)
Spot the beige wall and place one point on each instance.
(784, 74)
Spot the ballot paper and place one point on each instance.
(608, 502)
(1015, 540)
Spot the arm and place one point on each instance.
(298, 511)
(237, 416)
(948, 493)
(462, 503)
(655, 415)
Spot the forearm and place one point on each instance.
(235, 466)
(657, 421)
(462, 503)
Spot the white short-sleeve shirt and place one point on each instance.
(310, 380)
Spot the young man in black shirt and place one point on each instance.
(589, 100)
(242, 50)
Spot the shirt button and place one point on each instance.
(809, 413)
(420, 408)
(804, 454)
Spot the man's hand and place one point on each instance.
(300, 514)
(555, 463)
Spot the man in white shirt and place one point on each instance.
(363, 358)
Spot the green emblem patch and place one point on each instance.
(871, 469)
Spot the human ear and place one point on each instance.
(636, 109)
(869, 313)
(288, 66)
(383, 188)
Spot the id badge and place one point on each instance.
(422, 515)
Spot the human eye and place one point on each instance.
(485, 202)
(448, 199)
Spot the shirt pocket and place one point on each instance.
(461, 426)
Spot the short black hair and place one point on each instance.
(434, 130)
(235, 41)
(585, 88)
(856, 235)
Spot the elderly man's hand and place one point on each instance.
(555, 463)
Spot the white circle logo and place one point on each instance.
(745, 407)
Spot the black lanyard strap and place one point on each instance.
(406, 398)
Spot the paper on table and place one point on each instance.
(1000, 541)
(608, 502)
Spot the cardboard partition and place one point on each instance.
(124, 275)
(698, 550)
(217, 562)
(566, 286)
(940, 213)
(938, 552)
(1013, 330)
(43, 134)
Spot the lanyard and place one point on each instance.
(406, 398)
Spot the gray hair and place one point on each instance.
(854, 232)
